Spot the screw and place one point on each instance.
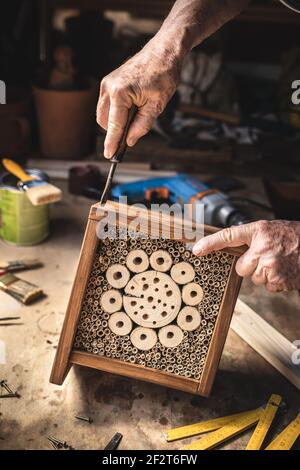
(57, 444)
(53, 442)
(9, 395)
(5, 385)
(84, 418)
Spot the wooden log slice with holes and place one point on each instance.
(182, 273)
(161, 261)
(170, 336)
(143, 338)
(117, 275)
(111, 301)
(153, 299)
(192, 294)
(189, 318)
(120, 323)
(137, 261)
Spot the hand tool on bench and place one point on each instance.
(266, 418)
(114, 442)
(39, 192)
(286, 439)
(227, 427)
(21, 290)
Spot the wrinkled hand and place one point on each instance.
(273, 257)
(147, 80)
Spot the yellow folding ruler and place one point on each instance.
(203, 427)
(234, 427)
(286, 439)
(264, 423)
(221, 429)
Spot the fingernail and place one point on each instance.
(197, 249)
(131, 142)
(107, 153)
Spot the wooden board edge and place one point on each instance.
(220, 332)
(61, 360)
(97, 212)
(275, 348)
(134, 371)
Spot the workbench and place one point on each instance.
(139, 410)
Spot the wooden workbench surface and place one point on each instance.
(139, 410)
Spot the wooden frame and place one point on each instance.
(66, 355)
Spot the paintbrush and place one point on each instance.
(19, 289)
(20, 264)
(39, 192)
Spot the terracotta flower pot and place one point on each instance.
(15, 132)
(66, 120)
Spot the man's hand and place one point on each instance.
(273, 257)
(148, 80)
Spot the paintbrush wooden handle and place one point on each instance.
(16, 170)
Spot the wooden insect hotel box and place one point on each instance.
(145, 307)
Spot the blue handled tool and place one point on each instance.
(183, 189)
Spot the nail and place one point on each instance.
(84, 418)
(10, 395)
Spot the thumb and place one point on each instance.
(229, 237)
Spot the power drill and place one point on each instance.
(183, 189)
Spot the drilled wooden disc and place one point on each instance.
(192, 294)
(111, 301)
(182, 273)
(120, 323)
(170, 336)
(137, 261)
(189, 318)
(143, 338)
(153, 299)
(117, 275)
(161, 261)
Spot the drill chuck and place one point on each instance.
(219, 212)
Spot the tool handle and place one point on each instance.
(118, 156)
(15, 169)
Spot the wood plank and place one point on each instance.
(156, 221)
(266, 341)
(220, 332)
(127, 172)
(134, 371)
(61, 363)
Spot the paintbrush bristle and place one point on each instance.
(43, 194)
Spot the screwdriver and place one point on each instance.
(118, 156)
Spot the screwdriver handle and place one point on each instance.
(118, 156)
